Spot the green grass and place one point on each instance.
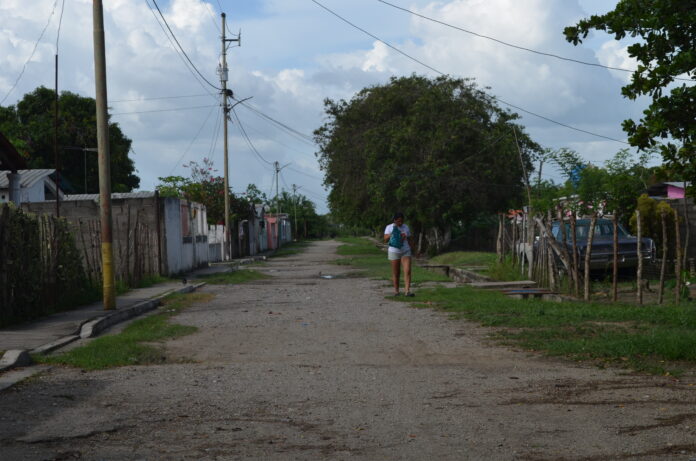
(291, 248)
(648, 338)
(465, 258)
(133, 346)
(656, 339)
(364, 254)
(234, 277)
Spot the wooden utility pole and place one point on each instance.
(108, 279)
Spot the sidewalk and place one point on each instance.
(46, 334)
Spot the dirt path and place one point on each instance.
(303, 367)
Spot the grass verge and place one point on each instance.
(234, 277)
(134, 345)
(647, 338)
(291, 248)
(364, 254)
(654, 339)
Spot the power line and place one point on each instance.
(178, 53)
(160, 97)
(247, 139)
(306, 174)
(36, 45)
(287, 128)
(216, 134)
(192, 141)
(181, 48)
(60, 23)
(490, 95)
(165, 110)
(542, 53)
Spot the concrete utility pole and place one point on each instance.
(225, 115)
(107, 252)
(277, 169)
(294, 196)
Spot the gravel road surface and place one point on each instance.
(304, 367)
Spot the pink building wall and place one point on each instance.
(675, 192)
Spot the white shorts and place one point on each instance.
(395, 255)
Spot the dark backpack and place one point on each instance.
(395, 239)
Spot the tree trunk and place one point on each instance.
(639, 255)
(530, 242)
(615, 259)
(687, 228)
(564, 241)
(574, 241)
(677, 259)
(588, 256)
(663, 264)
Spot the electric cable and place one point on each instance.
(164, 110)
(181, 48)
(247, 139)
(160, 97)
(36, 45)
(178, 53)
(252, 128)
(489, 95)
(542, 53)
(306, 174)
(216, 135)
(192, 141)
(287, 128)
(60, 23)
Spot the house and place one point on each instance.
(278, 223)
(671, 190)
(10, 163)
(150, 234)
(31, 186)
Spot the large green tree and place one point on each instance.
(30, 126)
(440, 150)
(665, 49)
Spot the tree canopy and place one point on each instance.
(665, 51)
(204, 187)
(440, 150)
(30, 126)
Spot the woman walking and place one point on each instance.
(398, 235)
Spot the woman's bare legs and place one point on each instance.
(396, 273)
(406, 263)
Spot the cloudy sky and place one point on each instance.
(293, 55)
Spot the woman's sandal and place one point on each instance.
(410, 295)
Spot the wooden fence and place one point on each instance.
(41, 269)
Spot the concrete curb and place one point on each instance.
(89, 329)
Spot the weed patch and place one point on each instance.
(364, 254)
(133, 346)
(234, 277)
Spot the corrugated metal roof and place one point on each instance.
(114, 196)
(28, 178)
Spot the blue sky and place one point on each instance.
(294, 54)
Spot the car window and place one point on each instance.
(602, 228)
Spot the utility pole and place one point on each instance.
(277, 172)
(225, 116)
(277, 205)
(107, 252)
(294, 196)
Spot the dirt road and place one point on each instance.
(300, 367)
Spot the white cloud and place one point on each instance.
(615, 54)
(294, 54)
